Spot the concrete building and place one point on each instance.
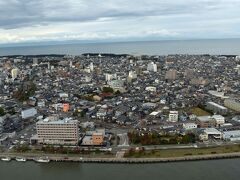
(109, 77)
(210, 133)
(238, 69)
(218, 119)
(91, 67)
(188, 126)
(171, 74)
(173, 116)
(70, 64)
(14, 73)
(28, 113)
(35, 61)
(64, 132)
(116, 85)
(152, 67)
(216, 108)
(232, 104)
(231, 135)
(205, 122)
(132, 75)
(151, 88)
(97, 138)
(94, 138)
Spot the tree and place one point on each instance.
(108, 90)
(117, 92)
(2, 112)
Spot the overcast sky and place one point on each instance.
(117, 20)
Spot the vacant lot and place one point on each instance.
(199, 112)
(183, 152)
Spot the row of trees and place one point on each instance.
(25, 91)
(157, 139)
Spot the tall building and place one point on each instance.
(138, 70)
(109, 77)
(35, 61)
(64, 132)
(238, 58)
(91, 67)
(49, 66)
(152, 67)
(171, 74)
(14, 73)
(238, 69)
(132, 75)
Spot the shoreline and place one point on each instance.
(55, 158)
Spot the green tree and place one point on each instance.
(108, 90)
(2, 112)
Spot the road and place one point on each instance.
(123, 140)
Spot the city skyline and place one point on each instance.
(24, 21)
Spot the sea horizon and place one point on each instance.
(228, 46)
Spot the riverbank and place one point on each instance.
(60, 158)
(181, 152)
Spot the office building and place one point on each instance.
(64, 132)
(14, 73)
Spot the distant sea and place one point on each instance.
(214, 47)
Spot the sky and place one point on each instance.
(35, 21)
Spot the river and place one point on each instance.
(226, 169)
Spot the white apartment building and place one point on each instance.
(173, 116)
(219, 119)
(152, 67)
(188, 126)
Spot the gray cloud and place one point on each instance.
(21, 13)
(43, 20)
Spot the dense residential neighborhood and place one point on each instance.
(108, 101)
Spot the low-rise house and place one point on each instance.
(231, 135)
(101, 113)
(189, 126)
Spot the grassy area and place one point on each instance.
(182, 152)
(63, 152)
(199, 112)
(40, 153)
